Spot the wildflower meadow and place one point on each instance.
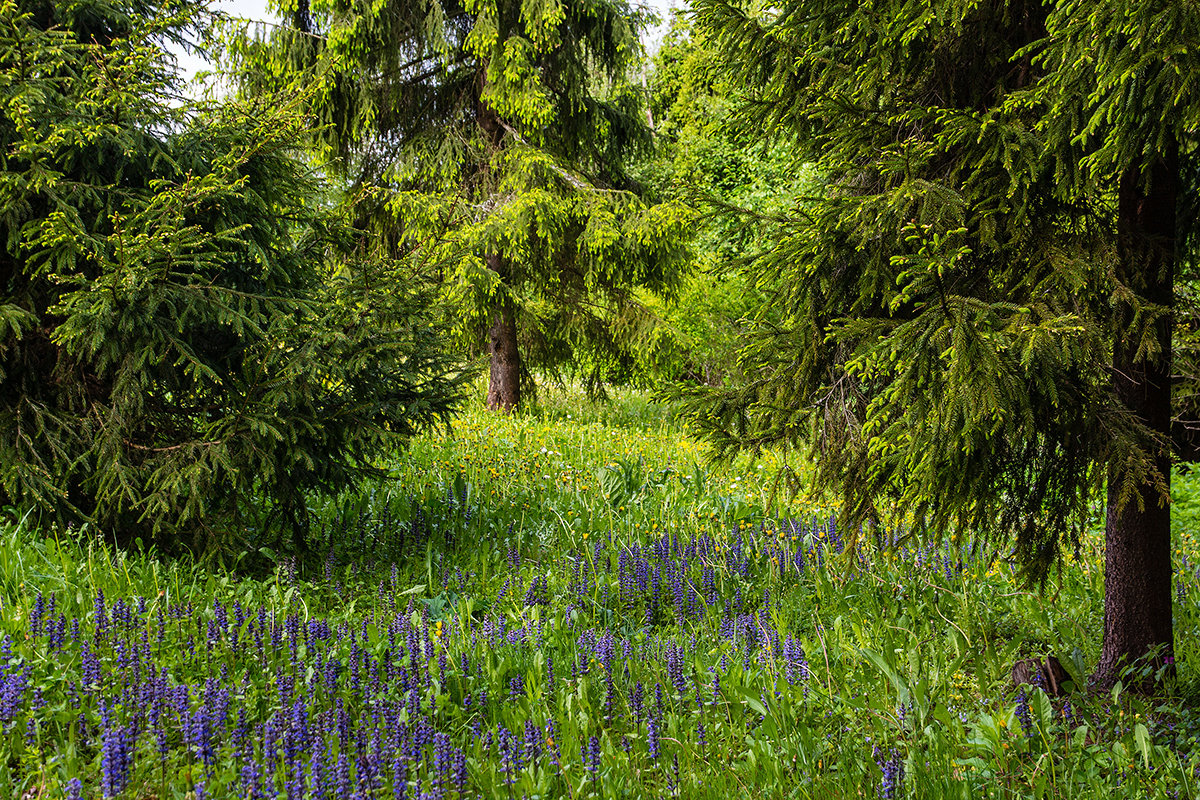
(574, 603)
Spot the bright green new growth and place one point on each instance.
(185, 330)
(496, 136)
(707, 159)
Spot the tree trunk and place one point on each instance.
(1137, 559)
(504, 380)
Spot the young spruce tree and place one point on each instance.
(979, 308)
(184, 331)
(495, 133)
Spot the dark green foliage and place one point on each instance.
(185, 330)
(948, 303)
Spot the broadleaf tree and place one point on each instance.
(979, 310)
(496, 134)
(705, 159)
(187, 333)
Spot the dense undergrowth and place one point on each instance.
(572, 604)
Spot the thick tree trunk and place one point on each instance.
(504, 381)
(1137, 560)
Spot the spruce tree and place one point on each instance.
(186, 334)
(979, 308)
(495, 133)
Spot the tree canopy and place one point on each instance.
(497, 134)
(185, 327)
(978, 308)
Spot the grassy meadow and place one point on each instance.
(572, 603)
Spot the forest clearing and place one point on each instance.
(599, 398)
(568, 605)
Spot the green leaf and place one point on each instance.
(1141, 737)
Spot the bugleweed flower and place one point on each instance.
(510, 759)
(893, 776)
(591, 757)
(251, 779)
(460, 771)
(552, 742)
(796, 668)
(90, 667)
(101, 615)
(1023, 715)
(199, 733)
(320, 780)
(443, 754)
(116, 756)
(13, 684)
(399, 780)
(675, 668)
(532, 742)
(342, 776)
(36, 613)
(652, 737)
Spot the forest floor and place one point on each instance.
(573, 603)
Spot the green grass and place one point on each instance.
(517, 524)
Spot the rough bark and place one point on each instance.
(1137, 561)
(504, 380)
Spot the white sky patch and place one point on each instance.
(256, 10)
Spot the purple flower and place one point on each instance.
(591, 757)
(36, 614)
(342, 776)
(552, 742)
(117, 746)
(893, 776)
(532, 742)
(13, 683)
(443, 754)
(399, 780)
(510, 756)
(796, 668)
(101, 616)
(675, 668)
(1023, 715)
(251, 777)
